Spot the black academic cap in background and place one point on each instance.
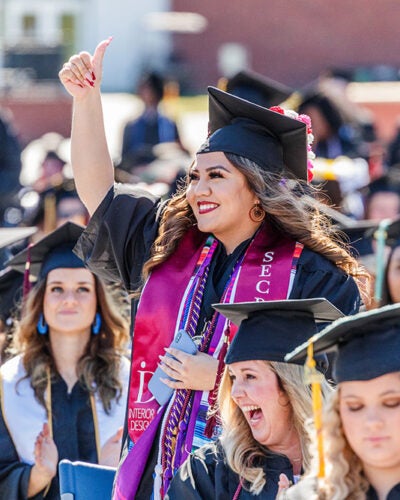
(387, 183)
(257, 88)
(367, 344)
(11, 235)
(11, 282)
(51, 252)
(268, 330)
(274, 141)
(9, 238)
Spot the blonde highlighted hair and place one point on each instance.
(241, 449)
(344, 477)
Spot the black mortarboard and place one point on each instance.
(358, 234)
(9, 236)
(268, 330)
(51, 252)
(387, 183)
(272, 140)
(367, 344)
(257, 88)
(11, 283)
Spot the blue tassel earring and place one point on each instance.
(96, 325)
(42, 326)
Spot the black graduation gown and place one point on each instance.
(73, 433)
(118, 239)
(205, 476)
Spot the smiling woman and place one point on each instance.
(264, 404)
(63, 393)
(244, 227)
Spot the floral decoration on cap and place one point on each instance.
(310, 137)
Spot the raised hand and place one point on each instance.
(283, 485)
(111, 450)
(83, 71)
(46, 461)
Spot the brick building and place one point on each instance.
(288, 40)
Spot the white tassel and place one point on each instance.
(157, 482)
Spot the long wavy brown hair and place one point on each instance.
(291, 207)
(98, 369)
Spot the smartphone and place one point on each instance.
(184, 342)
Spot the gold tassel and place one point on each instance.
(314, 378)
(50, 213)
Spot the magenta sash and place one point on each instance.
(264, 275)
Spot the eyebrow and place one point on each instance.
(241, 370)
(390, 392)
(213, 167)
(57, 282)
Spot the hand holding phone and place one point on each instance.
(184, 342)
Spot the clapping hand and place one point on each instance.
(46, 461)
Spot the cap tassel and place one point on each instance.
(314, 378)
(212, 397)
(26, 286)
(380, 236)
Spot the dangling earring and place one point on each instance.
(42, 326)
(257, 213)
(96, 325)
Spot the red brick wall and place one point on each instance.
(34, 117)
(291, 40)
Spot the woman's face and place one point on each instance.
(370, 413)
(383, 205)
(69, 303)
(393, 275)
(266, 408)
(221, 199)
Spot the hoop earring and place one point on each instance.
(42, 327)
(257, 213)
(96, 325)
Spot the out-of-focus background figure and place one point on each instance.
(152, 127)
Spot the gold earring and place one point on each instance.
(257, 213)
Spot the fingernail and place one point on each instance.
(89, 82)
(93, 76)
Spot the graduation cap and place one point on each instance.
(273, 140)
(11, 235)
(11, 282)
(268, 330)
(367, 344)
(257, 88)
(51, 252)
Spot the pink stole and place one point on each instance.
(264, 275)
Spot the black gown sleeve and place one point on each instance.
(316, 276)
(119, 236)
(14, 475)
